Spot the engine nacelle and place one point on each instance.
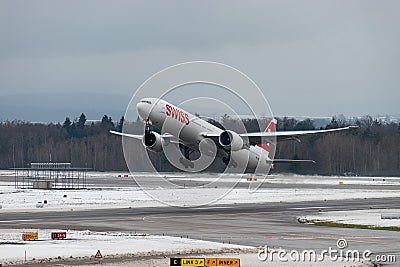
(153, 141)
(231, 139)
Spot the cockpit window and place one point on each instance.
(146, 101)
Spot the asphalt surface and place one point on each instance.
(273, 225)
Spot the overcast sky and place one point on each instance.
(311, 58)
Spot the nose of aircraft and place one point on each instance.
(143, 109)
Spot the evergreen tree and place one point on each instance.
(107, 123)
(67, 123)
(80, 130)
(120, 124)
(73, 130)
(306, 124)
(81, 121)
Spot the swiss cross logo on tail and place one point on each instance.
(270, 128)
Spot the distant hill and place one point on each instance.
(54, 107)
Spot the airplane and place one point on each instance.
(246, 150)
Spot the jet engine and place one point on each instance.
(231, 139)
(153, 141)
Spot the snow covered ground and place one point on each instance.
(291, 179)
(86, 243)
(246, 259)
(371, 217)
(121, 192)
(147, 250)
(100, 196)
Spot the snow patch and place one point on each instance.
(86, 244)
(371, 217)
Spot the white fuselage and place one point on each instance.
(191, 130)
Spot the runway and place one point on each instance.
(272, 225)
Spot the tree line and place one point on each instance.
(83, 144)
(371, 149)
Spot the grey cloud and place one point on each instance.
(309, 57)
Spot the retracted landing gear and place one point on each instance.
(147, 125)
(149, 138)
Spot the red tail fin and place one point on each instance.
(270, 128)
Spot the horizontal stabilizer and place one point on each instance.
(291, 161)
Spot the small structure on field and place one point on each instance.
(50, 175)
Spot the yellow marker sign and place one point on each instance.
(187, 262)
(211, 262)
(193, 262)
(222, 262)
(227, 262)
(30, 236)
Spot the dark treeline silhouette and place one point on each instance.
(371, 149)
(82, 144)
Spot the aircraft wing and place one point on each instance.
(136, 136)
(140, 136)
(254, 138)
(294, 133)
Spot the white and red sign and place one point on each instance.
(58, 235)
